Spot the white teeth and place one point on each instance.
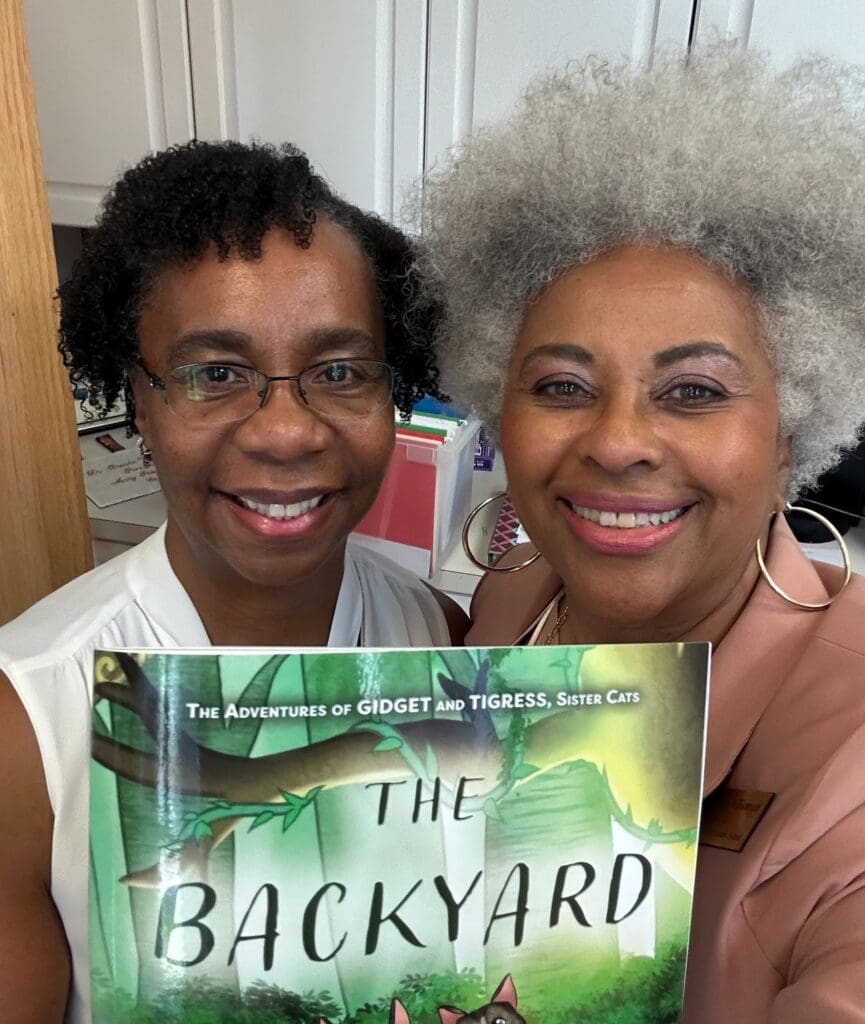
(627, 520)
(281, 511)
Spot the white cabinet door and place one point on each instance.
(787, 29)
(112, 83)
(482, 53)
(342, 79)
(374, 90)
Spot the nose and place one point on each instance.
(284, 426)
(620, 436)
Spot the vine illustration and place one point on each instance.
(198, 825)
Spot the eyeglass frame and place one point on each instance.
(159, 383)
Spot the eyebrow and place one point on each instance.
(669, 356)
(694, 350)
(576, 353)
(219, 341)
(358, 341)
(222, 341)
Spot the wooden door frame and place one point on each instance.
(44, 533)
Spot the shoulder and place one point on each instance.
(56, 626)
(505, 604)
(842, 623)
(456, 618)
(46, 658)
(46, 652)
(427, 616)
(378, 568)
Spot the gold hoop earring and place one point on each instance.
(848, 568)
(470, 554)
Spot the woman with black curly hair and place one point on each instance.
(261, 329)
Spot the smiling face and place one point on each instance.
(270, 499)
(640, 434)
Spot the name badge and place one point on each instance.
(731, 815)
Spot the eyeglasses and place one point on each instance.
(214, 393)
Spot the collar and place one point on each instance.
(760, 650)
(166, 603)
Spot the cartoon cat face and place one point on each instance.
(501, 1009)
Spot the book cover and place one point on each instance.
(395, 836)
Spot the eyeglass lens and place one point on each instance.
(223, 392)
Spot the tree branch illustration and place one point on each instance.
(462, 748)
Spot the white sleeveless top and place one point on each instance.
(135, 600)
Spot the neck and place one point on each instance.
(237, 612)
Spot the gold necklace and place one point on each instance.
(561, 618)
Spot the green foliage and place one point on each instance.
(197, 825)
(640, 991)
(201, 1001)
(644, 990)
(422, 995)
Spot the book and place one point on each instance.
(409, 836)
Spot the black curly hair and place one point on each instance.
(172, 206)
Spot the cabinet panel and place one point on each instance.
(111, 83)
(788, 28)
(482, 53)
(343, 79)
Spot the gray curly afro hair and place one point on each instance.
(759, 173)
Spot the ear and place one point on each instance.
(398, 1013)
(140, 392)
(784, 466)
(450, 1014)
(506, 993)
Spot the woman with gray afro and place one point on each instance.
(653, 283)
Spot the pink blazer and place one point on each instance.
(778, 934)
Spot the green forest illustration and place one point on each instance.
(306, 837)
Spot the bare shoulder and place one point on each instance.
(506, 604)
(34, 973)
(456, 618)
(513, 568)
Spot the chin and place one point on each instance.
(628, 607)
(278, 574)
